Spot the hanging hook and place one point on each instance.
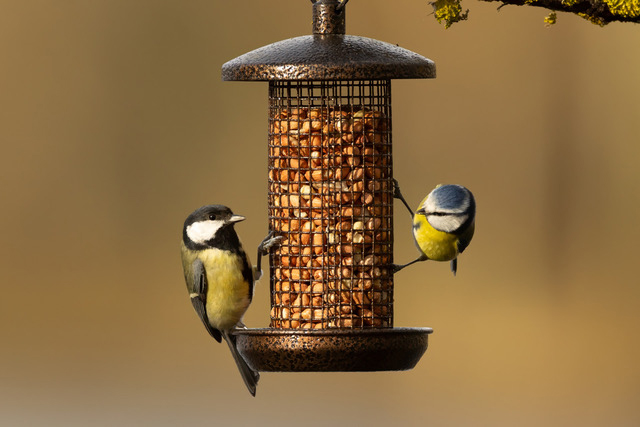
(342, 4)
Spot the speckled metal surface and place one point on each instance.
(328, 54)
(334, 57)
(393, 349)
(328, 17)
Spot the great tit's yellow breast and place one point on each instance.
(228, 292)
(436, 245)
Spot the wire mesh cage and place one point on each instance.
(331, 198)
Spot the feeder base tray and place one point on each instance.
(292, 350)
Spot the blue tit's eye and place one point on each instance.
(212, 217)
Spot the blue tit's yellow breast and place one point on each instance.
(228, 291)
(436, 245)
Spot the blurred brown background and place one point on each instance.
(115, 124)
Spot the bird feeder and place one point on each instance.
(330, 195)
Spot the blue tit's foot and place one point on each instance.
(395, 267)
(240, 325)
(397, 194)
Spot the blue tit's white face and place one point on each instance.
(448, 207)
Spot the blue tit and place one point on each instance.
(219, 276)
(443, 224)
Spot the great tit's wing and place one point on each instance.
(247, 271)
(257, 273)
(198, 294)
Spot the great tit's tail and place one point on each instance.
(249, 376)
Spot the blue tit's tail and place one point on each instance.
(454, 266)
(249, 376)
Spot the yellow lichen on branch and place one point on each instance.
(600, 12)
(624, 8)
(449, 11)
(551, 19)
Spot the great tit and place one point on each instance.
(443, 224)
(219, 276)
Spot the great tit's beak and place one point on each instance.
(236, 218)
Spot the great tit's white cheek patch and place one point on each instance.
(202, 231)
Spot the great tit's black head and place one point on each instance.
(449, 208)
(209, 223)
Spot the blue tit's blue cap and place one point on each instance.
(450, 198)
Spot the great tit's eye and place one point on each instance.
(212, 217)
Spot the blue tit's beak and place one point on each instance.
(236, 218)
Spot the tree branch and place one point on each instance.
(599, 12)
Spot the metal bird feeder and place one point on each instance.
(331, 198)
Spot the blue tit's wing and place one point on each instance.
(463, 241)
(462, 245)
(465, 237)
(198, 296)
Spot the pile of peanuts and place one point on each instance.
(331, 197)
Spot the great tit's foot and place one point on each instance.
(269, 242)
(241, 325)
(263, 249)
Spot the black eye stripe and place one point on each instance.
(425, 213)
(446, 213)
